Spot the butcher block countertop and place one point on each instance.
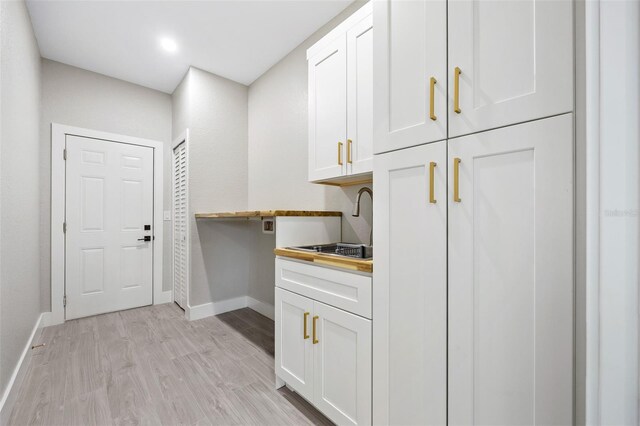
(264, 213)
(350, 263)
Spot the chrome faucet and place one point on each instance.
(356, 208)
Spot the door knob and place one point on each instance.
(146, 238)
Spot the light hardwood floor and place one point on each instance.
(151, 366)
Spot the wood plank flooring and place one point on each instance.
(150, 366)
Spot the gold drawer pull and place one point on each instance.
(432, 112)
(432, 195)
(349, 149)
(306, 332)
(340, 153)
(315, 336)
(456, 180)
(456, 90)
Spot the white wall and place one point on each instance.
(613, 211)
(81, 98)
(19, 189)
(215, 111)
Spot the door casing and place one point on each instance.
(58, 196)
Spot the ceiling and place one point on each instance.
(239, 40)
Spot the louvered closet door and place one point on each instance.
(180, 217)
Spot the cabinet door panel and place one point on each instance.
(409, 48)
(342, 366)
(410, 287)
(510, 276)
(294, 354)
(360, 96)
(516, 59)
(328, 111)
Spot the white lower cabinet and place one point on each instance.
(342, 365)
(294, 354)
(324, 354)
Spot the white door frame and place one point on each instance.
(58, 201)
(183, 137)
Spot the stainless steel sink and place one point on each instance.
(358, 251)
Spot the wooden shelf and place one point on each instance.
(264, 213)
(350, 263)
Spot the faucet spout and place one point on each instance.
(356, 208)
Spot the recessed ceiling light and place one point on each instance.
(168, 44)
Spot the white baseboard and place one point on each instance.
(52, 318)
(55, 318)
(215, 308)
(197, 312)
(164, 297)
(261, 307)
(13, 387)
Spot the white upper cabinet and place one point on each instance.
(509, 62)
(410, 73)
(341, 100)
(511, 275)
(360, 97)
(328, 110)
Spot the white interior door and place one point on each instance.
(109, 204)
(410, 286)
(515, 58)
(511, 276)
(180, 225)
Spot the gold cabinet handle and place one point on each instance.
(306, 332)
(456, 180)
(432, 112)
(315, 336)
(456, 90)
(349, 148)
(432, 195)
(340, 153)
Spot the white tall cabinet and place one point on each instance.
(473, 285)
(410, 288)
(510, 275)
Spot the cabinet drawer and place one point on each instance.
(344, 290)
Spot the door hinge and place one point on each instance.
(64, 227)
(64, 154)
(64, 301)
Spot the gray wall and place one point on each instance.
(278, 158)
(19, 172)
(81, 98)
(278, 143)
(215, 111)
(248, 150)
